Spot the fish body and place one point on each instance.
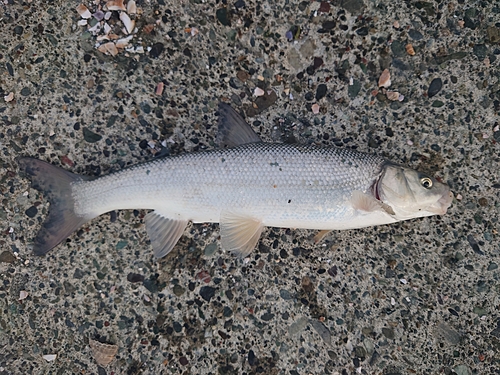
(245, 187)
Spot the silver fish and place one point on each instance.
(245, 187)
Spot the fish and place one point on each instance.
(244, 185)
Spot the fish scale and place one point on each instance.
(291, 185)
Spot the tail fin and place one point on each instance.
(55, 184)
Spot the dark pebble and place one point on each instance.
(222, 16)
(78, 274)
(435, 86)
(333, 271)
(415, 34)
(322, 330)
(321, 91)
(183, 361)
(388, 332)
(352, 6)
(267, 316)
(473, 243)
(31, 212)
(353, 90)
(207, 292)
(252, 359)
(309, 96)
(389, 132)
(398, 48)
(262, 102)
(362, 31)
(239, 4)
(328, 25)
(492, 266)
(25, 91)
(480, 51)
(317, 62)
(7, 257)
(90, 136)
(227, 312)
(156, 50)
(135, 278)
(18, 30)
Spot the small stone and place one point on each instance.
(135, 278)
(285, 294)
(7, 257)
(328, 25)
(492, 266)
(207, 292)
(210, 249)
(462, 370)
(353, 6)
(178, 290)
(156, 50)
(298, 326)
(353, 90)
(31, 212)
(388, 332)
(435, 86)
(90, 136)
(322, 330)
(222, 16)
(480, 51)
(321, 91)
(25, 91)
(19, 30)
(415, 34)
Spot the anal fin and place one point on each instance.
(239, 233)
(163, 232)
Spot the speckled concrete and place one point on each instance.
(418, 297)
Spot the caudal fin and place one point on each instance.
(55, 184)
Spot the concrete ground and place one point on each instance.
(417, 297)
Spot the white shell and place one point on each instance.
(115, 5)
(123, 42)
(82, 22)
(108, 48)
(23, 295)
(49, 357)
(9, 98)
(83, 11)
(315, 108)
(131, 7)
(385, 79)
(103, 353)
(392, 95)
(129, 24)
(258, 91)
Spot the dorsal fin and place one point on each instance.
(233, 129)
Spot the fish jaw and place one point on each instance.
(442, 205)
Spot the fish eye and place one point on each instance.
(426, 182)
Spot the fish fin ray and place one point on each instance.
(233, 130)
(364, 202)
(163, 232)
(321, 235)
(239, 233)
(55, 184)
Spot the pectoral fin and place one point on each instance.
(239, 233)
(163, 232)
(367, 203)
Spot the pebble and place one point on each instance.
(210, 249)
(207, 292)
(222, 16)
(298, 326)
(156, 50)
(322, 330)
(7, 257)
(31, 212)
(435, 86)
(321, 91)
(90, 136)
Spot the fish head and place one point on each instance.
(412, 194)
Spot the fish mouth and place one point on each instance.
(441, 206)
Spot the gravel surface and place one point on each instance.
(417, 297)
